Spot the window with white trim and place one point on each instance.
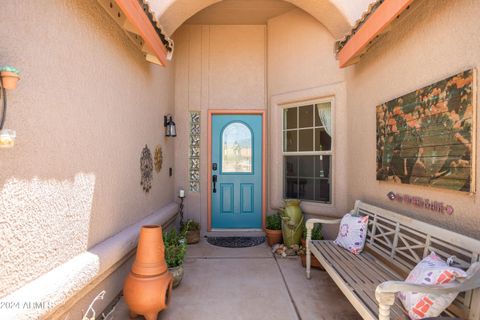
(307, 151)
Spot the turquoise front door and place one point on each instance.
(236, 171)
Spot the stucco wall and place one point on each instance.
(438, 39)
(216, 67)
(225, 67)
(85, 107)
(302, 66)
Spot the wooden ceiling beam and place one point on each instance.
(139, 20)
(376, 23)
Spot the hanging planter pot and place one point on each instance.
(10, 77)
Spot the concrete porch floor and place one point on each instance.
(250, 283)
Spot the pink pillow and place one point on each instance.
(432, 270)
(352, 233)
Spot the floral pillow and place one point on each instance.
(352, 233)
(432, 270)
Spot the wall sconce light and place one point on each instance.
(170, 128)
(9, 77)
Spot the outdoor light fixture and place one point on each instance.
(8, 80)
(181, 195)
(170, 128)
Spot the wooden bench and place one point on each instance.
(394, 245)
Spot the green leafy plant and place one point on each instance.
(190, 225)
(316, 232)
(274, 222)
(9, 69)
(175, 248)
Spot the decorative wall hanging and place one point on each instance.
(146, 167)
(420, 202)
(427, 137)
(158, 158)
(194, 154)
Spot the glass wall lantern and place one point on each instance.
(170, 127)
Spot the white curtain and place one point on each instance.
(325, 114)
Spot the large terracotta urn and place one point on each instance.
(148, 286)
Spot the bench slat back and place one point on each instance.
(404, 241)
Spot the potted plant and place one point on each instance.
(273, 229)
(175, 250)
(10, 76)
(316, 235)
(191, 231)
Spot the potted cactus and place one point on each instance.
(273, 229)
(191, 231)
(10, 76)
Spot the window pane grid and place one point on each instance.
(310, 187)
(293, 131)
(307, 154)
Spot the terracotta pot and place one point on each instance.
(273, 236)
(177, 273)
(148, 286)
(314, 261)
(193, 237)
(9, 79)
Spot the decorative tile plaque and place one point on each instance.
(194, 152)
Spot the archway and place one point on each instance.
(337, 16)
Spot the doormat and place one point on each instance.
(236, 242)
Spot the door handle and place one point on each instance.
(214, 180)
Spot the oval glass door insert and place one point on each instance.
(237, 149)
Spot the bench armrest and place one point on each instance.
(309, 226)
(385, 292)
(311, 222)
(472, 281)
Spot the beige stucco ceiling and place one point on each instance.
(337, 16)
(241, 12)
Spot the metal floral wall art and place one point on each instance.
(146, 168)
(158, 158)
